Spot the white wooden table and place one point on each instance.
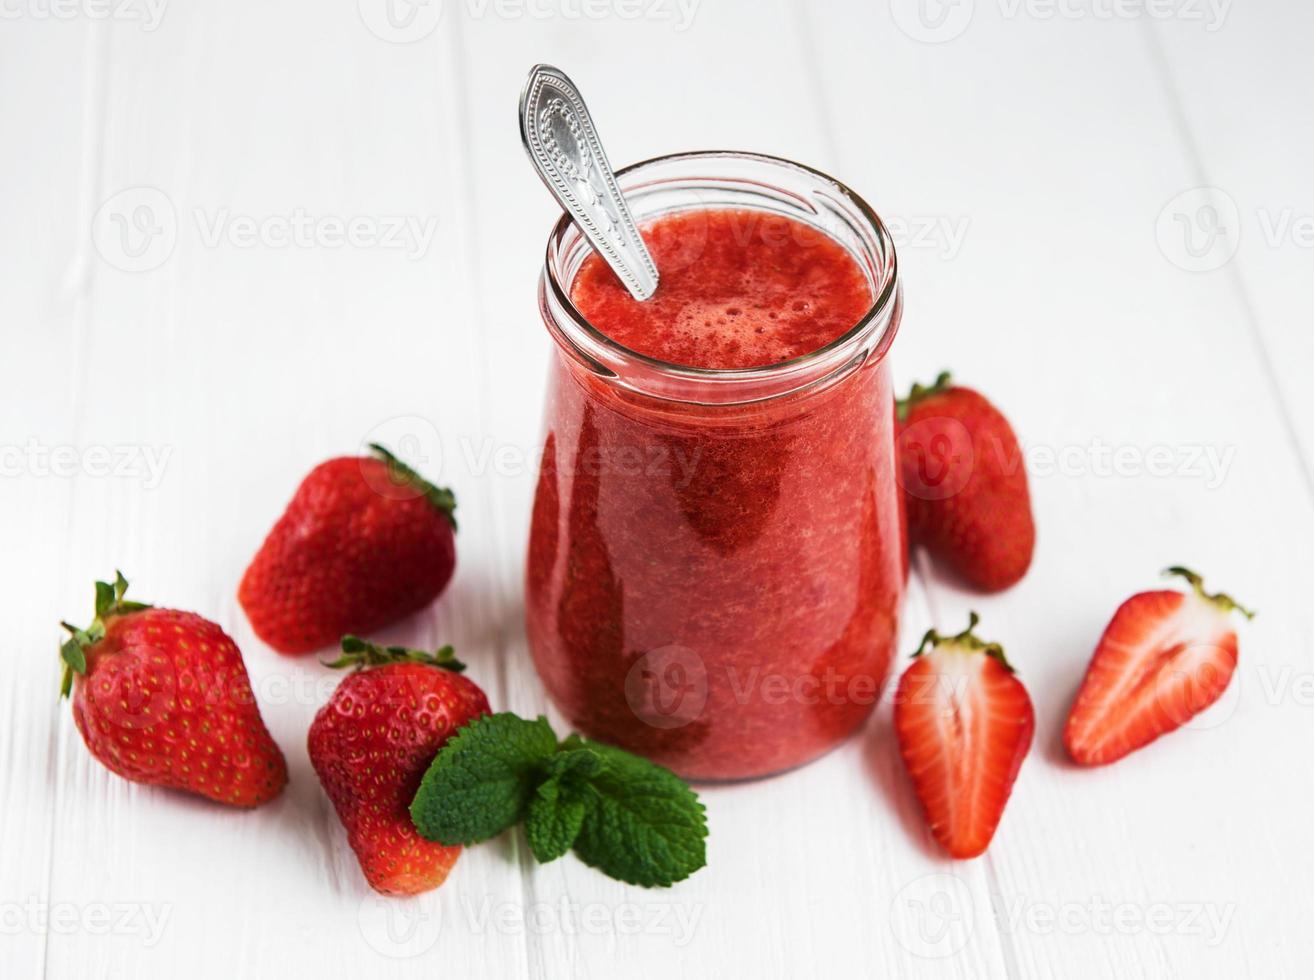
(240, 238)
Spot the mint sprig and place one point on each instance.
(630, 818)
(482, 779)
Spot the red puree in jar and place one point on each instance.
(738, 289)
(717, 586)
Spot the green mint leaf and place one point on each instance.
(554, 817)
(644, 825)
(557, 810)
(575, 762)
(482, 780)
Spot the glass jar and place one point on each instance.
(716, 557)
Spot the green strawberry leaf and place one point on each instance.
(646, 826)
(359, 654)
(73, 651)
(482, 780)
(404, 475)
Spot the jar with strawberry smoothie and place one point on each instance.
(715, 562)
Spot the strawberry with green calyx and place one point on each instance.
(363, 542)
(358, 653)
(629, 818)
(442, 498)
(163, 697)
(1164, 657)
(965, 484)
(371, 744)
(964, 724)
(109, 603)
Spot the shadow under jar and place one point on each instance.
(716, 558)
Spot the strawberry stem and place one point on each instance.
(921, 392)
(440, 497)
(73, 651)
(966, 640)
(359, 654)
(1220, 599)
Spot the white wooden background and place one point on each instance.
(1151, 342)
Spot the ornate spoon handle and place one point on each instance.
(564, 148)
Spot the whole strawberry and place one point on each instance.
(370, 746)
(1164, 657)
(364, 541)
(162, 697)
(965, 485)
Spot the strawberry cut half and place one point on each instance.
(964, 724)
(1164, 657)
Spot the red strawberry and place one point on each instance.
(363, 542)
(965, 484)
(162, 697)
(1164, 658)
(371, 744)
(964, 723)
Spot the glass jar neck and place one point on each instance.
(741, 181)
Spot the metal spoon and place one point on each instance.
(564, 148)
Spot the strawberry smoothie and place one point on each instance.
(716, 585)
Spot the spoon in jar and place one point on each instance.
(564, 148)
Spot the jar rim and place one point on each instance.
(884, 293)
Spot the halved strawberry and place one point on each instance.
(964, 723)
(1164, 658)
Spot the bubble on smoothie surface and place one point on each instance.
(738, 289)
